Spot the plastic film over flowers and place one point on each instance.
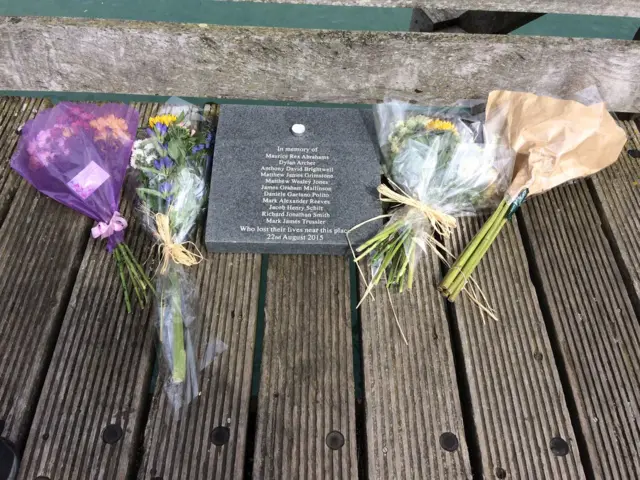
(439, 164)
(77, 154)
(171, 165)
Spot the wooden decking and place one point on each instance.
(310, 387)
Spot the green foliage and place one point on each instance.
(177, 150)
(171, 165)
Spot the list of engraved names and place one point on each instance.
(297, 193)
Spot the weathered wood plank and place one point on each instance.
(618, 8)
(307, 385)
(99, 373)
(14, 112)
(411, 390)
(228, 287)
(516, 395)
(35, 280)
(618, 190)
(597, 332)
(307, 65)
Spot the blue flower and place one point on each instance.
(197, 148)
(150, 132)
(165, 187)
(209, 139)
(164, 162)
(170, 199)
(162, 128)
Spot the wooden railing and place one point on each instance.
(114, 56)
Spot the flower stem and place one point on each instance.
(455, 272)
(412, 265)
(146, 280)
(137, 283)
(179, 354)
(474, 259)
(391, 252)
(116, 253)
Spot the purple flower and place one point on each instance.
(164, 187)
(162, 128)
(208, 141)
(170, 199)
(150, 132)
(164, 162)
(197, 148)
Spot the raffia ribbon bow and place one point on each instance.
(443, 224)
(171, 251)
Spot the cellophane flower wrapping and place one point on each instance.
(443, 158)
(171, 167)
(78, 154)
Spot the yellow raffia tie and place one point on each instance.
(171, 251)
(442, 223)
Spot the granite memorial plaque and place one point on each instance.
(292, 180)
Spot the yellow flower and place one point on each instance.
(437, 124)
(111, 127)
(167, 120)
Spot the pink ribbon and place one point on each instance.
(104, 230)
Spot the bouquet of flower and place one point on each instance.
(77, 154)
(555, 141)
(438, 165)
(171, 166)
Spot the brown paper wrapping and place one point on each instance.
(555, 140)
